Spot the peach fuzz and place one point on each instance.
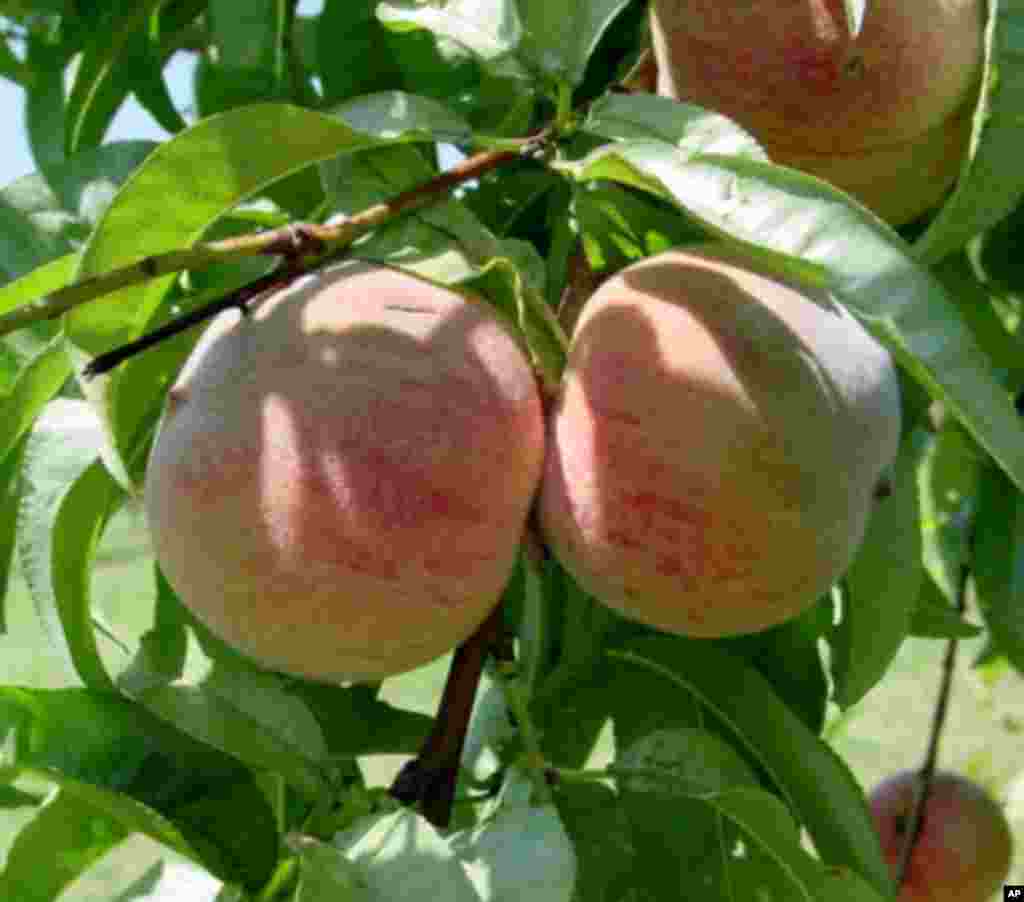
(885, 115)
(714, 452)
(342, 477)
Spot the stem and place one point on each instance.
(284, 872)
(931, 756)
(292, 241)
(431, 776)
(519, 705)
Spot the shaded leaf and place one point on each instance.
(882, 586)
(67, 498)
(810, 776)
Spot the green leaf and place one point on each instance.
(402, 856)
(632, 117)
(788, 656)
(160, 657)
(63, 824)
(11, 67)
(619, 226)
(977, 302)
(997, 562)
(761, 817)
(326, 875)
(784, 213)
(129, 767)
(935, 618)
(663, 778)
(165, 880)
(491, 30)
(36, 381)
(44, 103)
(563, 34)
(398, 116)
(356, 55)
(602, 839)
(165, 207)
(355, 723)
(102, 82)
(947, 479)
(991, 182)
(153, 214)
(519, 833)
(67, 498)
(811, 777)
(10, 495)
(250, 35)
(48, 214)
(882, 586)
(249, 716)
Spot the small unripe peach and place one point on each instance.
(714, 452)
(885, 115)
(965, 847)
(342, 477)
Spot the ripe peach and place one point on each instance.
(341, 479)
(716, 445)
(965, 846)
(885, 116)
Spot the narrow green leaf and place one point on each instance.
(67, 498)
(632, 117)
(812, 778)
(64, 825)
(10, 494)
(882, 585)
(664, 778)
(991, 182)
(100, 85)
(248, 716)
(326, 875)
(935, 618)
(997, 562)
(947, 479)
(602, 839)
(166, 206)
(44, 103)
(37, 381)
(146, 777)
(563, 34)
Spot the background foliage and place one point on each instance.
(269, 787)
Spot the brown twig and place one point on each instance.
(430, 778)
(272, 281)
(927, 771)
(299, 239)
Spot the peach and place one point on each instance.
(885, 116)
(714, 451)
(964, 849)
(341, 479)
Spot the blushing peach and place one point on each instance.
(716, 446)
(965, 847)
(885, 116)
(342, 477)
